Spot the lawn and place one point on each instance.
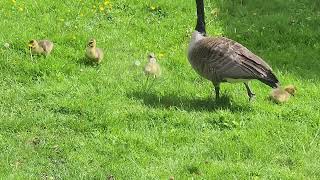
(61, 118)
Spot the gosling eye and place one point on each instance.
(90, 44)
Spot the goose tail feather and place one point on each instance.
(271, 80)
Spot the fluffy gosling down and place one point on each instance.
(291, 89)
(93, 53)
(280, 95)
(152, 68)
(41, 47)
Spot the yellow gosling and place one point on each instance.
(93, 53)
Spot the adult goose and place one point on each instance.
(220, 59)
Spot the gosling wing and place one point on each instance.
(46, 45)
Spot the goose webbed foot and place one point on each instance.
(249, 91)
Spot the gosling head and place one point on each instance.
(92, 43)
(291, 89)
(33, 44)
(152, 57)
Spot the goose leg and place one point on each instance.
(249, 91)
(217, 90)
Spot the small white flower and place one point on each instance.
(6, 45)
(137, 63)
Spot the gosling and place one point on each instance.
(152, 68)
(291, 89)
(280, 95)
(93, 53)
(41, 47)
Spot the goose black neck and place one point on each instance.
(201, 25)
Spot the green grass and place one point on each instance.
(62, 119)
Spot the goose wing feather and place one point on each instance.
(229, 59)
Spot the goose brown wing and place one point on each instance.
(229, 59)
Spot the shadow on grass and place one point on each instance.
(86, 62)
(186, 103)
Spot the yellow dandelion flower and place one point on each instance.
(153, 7)
(161, 55)
(106, 2)
(101, 8)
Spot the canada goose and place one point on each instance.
(152, 68)
(280, 95)
(93, 53)
(220, 59)
(41, 47)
